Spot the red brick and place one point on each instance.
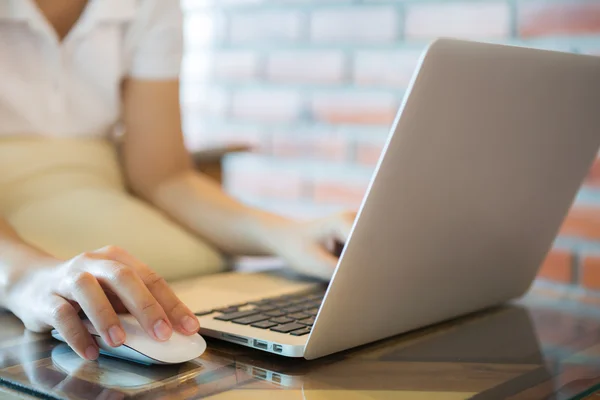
(542, 18)
(355, 108)
(368, 153)
(385, 68)
(266, 105)
(306, 67)
(309, 147)
(558, 266)
(367, 24)
(235, 65)
(340, 193)
(489, 19)
(593, 177)
(590, 272)
(266, 26)
(582, 221)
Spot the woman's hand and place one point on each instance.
(102, 284)
(306, 246)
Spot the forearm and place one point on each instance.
(201, 205)
(16, 258)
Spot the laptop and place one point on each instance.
(483, 161)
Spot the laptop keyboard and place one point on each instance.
(291, 314)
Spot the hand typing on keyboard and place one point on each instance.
(309, 248)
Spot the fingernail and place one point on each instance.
(162, 330)
(190, 324)
(117, 335)
(91, 353)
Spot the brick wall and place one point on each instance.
(313, 86)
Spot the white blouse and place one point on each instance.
(72, 88)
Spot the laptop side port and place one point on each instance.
(259, 373)
(235, 338)
(277, 348)
(260, 345)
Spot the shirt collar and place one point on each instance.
(100, 10)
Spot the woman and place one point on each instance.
(73, 71)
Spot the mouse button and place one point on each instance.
(132, 326)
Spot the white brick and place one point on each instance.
(206, 101)
(385, 68)
(266, 26)
(194, 67)
(201, 29)
(355, 25)
(459, 20)
(267, 105)
(235, 65)
(306, 67)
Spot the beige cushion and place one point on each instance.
(68, 196)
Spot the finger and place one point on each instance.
(180, 315)
(116, 302)
(125, 282)
(63, 317)
(339, 226)
(87, 292)
(182, 318)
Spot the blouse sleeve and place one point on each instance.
(156, 40)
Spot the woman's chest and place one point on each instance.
(32, 62)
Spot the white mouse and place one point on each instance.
(141, 348)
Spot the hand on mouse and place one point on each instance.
(307, 247)
(101, 283)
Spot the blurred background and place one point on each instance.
(312, 87)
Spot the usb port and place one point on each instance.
(277, 348)
(259, 373)
(276, 378)
(261, 345)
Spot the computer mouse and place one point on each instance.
(141, 348)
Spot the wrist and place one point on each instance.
(264, 228)
(18, 263)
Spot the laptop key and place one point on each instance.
(285, 328)
(201, 313)
(282, 304)
(275, 313)
(282, 320)
(226, 310)
(251, 319)
(260, 302)
(311, 304)
(308, 321)
(293, 309)
(264, 324)
(300, 332)
(236, 315)
(298, 315)
(312, 311)
(267, 307)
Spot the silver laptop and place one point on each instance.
(483, 161)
